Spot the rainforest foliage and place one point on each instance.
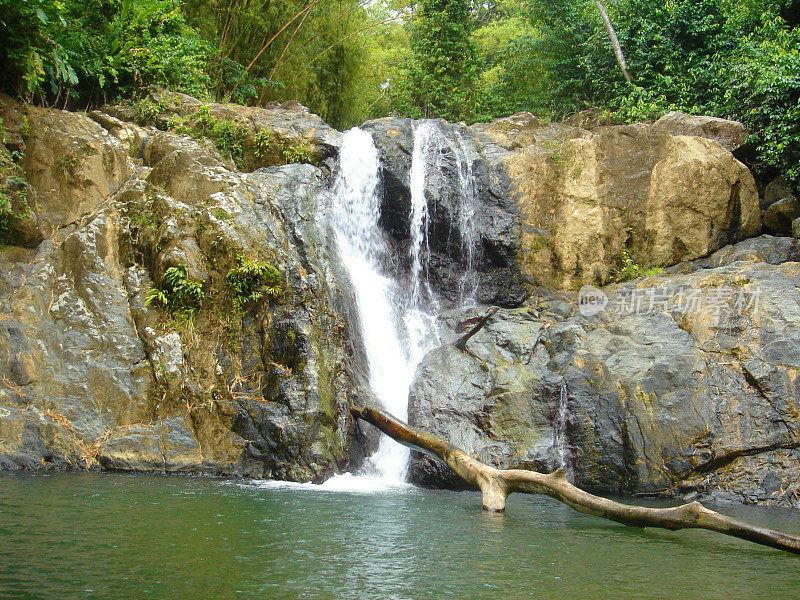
(350, 60)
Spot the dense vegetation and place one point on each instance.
(79, 52)
(349, 60)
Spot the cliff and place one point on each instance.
(171, 299)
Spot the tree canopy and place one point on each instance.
(350, 60)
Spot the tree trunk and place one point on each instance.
(497, 484)
(614, 41)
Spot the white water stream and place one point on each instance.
(561, 422)
(397, 320)
(397, 329)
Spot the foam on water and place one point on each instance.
(345, 483)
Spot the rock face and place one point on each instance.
(93, 375)
(463, 188)
(588, 203)
(171, 299)
(678, 387)
(562, 206)
(258, 137)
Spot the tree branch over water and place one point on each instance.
(497, 484)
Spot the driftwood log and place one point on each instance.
(497, 484)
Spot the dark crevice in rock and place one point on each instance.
(754, 383)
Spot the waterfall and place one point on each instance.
(397, 322)
(467, 227)
(431, 149)
(560, 424)
(396, 328)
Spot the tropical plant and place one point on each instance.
(93, 49)
(177, 293)
(251, 281)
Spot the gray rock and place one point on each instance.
(673, 400)
(167, 359)
(765, 248)
(394, 139)
(70, 162)
(184, 252)
(778, 217)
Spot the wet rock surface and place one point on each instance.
(458, 177)
(561, 206)
(686, 384)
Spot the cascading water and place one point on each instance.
(467, 227)
(561, 422)
(431, 150)
(396, 329)
(424, 143)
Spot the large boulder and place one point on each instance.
(94, 373)
(777, 189)
(731, 135)
(564, 204)
(590, 203)
(779, 216)
(71, 360)
(394, 138)
(677, 387)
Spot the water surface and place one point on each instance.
(130, 537)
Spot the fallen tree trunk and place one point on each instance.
(497, 484)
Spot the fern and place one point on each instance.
(177, 293)
(252, 282)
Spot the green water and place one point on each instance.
(118, 536)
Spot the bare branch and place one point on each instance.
(291, 39)
(268, 44)
(461, 344)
